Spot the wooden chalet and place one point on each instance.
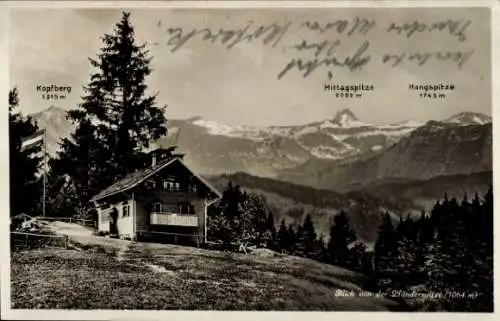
(166, 202)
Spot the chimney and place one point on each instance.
(153, 159)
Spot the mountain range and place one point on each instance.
(326, 166)
(292, 152)
(215, 148)
(435, 149)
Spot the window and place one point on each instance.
(151, 184)
(171, 186)
(126, 210)
(186, 208)
(168, 186)
(157, 207)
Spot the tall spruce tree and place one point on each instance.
(292, 239)
(270, 234)
(257, 212)
(117, 120)
(306, 239)
(341, 236)
(283, 237)
(409, 253)
(385, 248)
(25, 192)
(79, 172)
(481, 280)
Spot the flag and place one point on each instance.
(33, 141)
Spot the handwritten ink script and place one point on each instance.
(350, 44)
(230, 37)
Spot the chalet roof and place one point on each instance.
(136, 178)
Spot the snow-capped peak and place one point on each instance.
(469, 118)
(345, 118)
(216, 128)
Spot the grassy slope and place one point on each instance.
(115, 274)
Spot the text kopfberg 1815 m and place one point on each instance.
(53, 88)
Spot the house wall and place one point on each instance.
(103, 219)
(144, 209)
(142, 216)
(125, 224)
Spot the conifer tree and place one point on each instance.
(248, 223)
(117, 120)
(409, 253)
(320, 249)
(385, 248)
(225, 219)
(80, 169)
(341, 236)
(25, 191)
(359, 260)
(436, 217)
(482, 278)
(292, 239)
(476, 203)
(306, 239)
(256, 212)
(270, 235)
(450, 251)
(283, 238)
(241, 218)
(425, 228)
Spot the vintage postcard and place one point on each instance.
(268, 157)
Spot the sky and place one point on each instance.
(240, 85)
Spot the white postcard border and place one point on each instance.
(7, 313)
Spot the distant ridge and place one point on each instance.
(215, 148)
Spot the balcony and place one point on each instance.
(174, 219)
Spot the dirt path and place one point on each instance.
(120, 255)
(158, 268)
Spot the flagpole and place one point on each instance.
(44, 168)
